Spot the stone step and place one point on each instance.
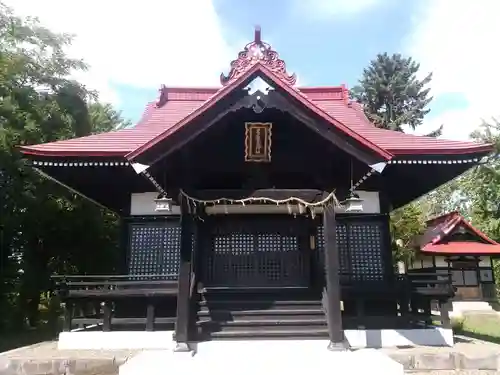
(281, 310)
(259, 332)
(267, 321)
(260, 302)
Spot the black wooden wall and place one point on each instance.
(363, 244)
(154, 249)
(363, 248)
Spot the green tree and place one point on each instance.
(392, 98)
(391, 94)
(406, 223)
(104, 118)
(44, 229)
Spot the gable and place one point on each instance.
(283, 97)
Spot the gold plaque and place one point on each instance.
(258, 141)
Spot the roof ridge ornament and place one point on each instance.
(258, 52)
(162, 97)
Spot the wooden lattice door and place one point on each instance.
(256, 251)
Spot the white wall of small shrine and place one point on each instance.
(143, 204)
(425, 261)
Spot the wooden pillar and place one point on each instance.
(124, 246)
(68, 315)
(444, 311)
(150, 316)
(106, 316)
(333, 313)
(184, 280)
(477, 261)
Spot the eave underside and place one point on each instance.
(111, 186)
(410, 177)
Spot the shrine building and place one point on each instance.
(255, 210)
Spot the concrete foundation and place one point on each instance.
(360, 338)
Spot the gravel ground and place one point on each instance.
(464, 345)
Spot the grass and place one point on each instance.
(482, 327)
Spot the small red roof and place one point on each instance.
(463, 248)
(178, 106)
(435, 240)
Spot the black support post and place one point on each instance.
(106, 316)
(334, 313)
(444, 311)
(68, 315)
(150, 316)
(184, 281)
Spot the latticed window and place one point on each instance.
(360, 246)
(155, 249)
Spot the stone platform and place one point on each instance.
(44, 359)
(467, 357)
(263, 357)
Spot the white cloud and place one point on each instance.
(458, 41)
(140, 43)
(329, 8)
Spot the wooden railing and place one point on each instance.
(429, 283)
(80, 286)
(112, 299)
(404, 301)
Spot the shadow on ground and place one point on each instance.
(14, 340)
(480, 336)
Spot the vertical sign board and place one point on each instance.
(258, 141)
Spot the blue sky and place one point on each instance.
(322, 51)
(133, 49)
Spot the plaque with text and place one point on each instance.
(258, 141)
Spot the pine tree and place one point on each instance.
(391, 94)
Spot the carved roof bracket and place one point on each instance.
(258, 52)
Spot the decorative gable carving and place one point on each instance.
(258, 52)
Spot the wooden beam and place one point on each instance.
(184, 282)
(333, 310)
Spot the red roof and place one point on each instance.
(296, 94)
(435, 238)
(182, 102)
(178, 106)
(463, 248)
